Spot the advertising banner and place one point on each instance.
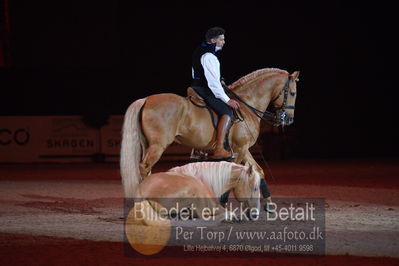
(46, 139)
(68, 139)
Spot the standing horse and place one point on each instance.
(151, 124)
(195, 184)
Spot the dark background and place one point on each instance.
(95, 58)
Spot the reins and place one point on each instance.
(261, 114)
(257, 112)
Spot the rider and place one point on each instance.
(207, 83)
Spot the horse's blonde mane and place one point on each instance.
(215, 174)
(253, 76)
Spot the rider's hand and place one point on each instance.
(233, 104)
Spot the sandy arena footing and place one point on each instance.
(70, 214)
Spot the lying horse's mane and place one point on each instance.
(215, 174)
(249, 78)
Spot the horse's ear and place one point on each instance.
(295, 75)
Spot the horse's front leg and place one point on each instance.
(241, 154)
(244, 156)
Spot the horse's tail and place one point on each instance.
(145, 214)
(132, 147)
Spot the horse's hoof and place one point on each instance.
(232, 221)
(267, 207)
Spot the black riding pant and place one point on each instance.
(220, 107)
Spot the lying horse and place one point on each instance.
(151, 124)
(199, 184)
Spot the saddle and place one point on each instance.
(198, 101)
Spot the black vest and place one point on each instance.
(199, 76)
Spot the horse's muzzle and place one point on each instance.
(285, 119)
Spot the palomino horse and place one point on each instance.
(153, 123)
(195, 184)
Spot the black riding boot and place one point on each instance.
(224, 125)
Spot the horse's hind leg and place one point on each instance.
(158, 140)
(151, 156)
(160, 119)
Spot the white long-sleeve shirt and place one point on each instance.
(211, 66)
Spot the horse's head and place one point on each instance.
(247, 187)
(284, 102)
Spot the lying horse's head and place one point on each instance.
(283, 103)
(247, 186)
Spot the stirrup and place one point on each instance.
(198, 154)
(233, 154)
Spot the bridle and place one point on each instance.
(261, 114)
